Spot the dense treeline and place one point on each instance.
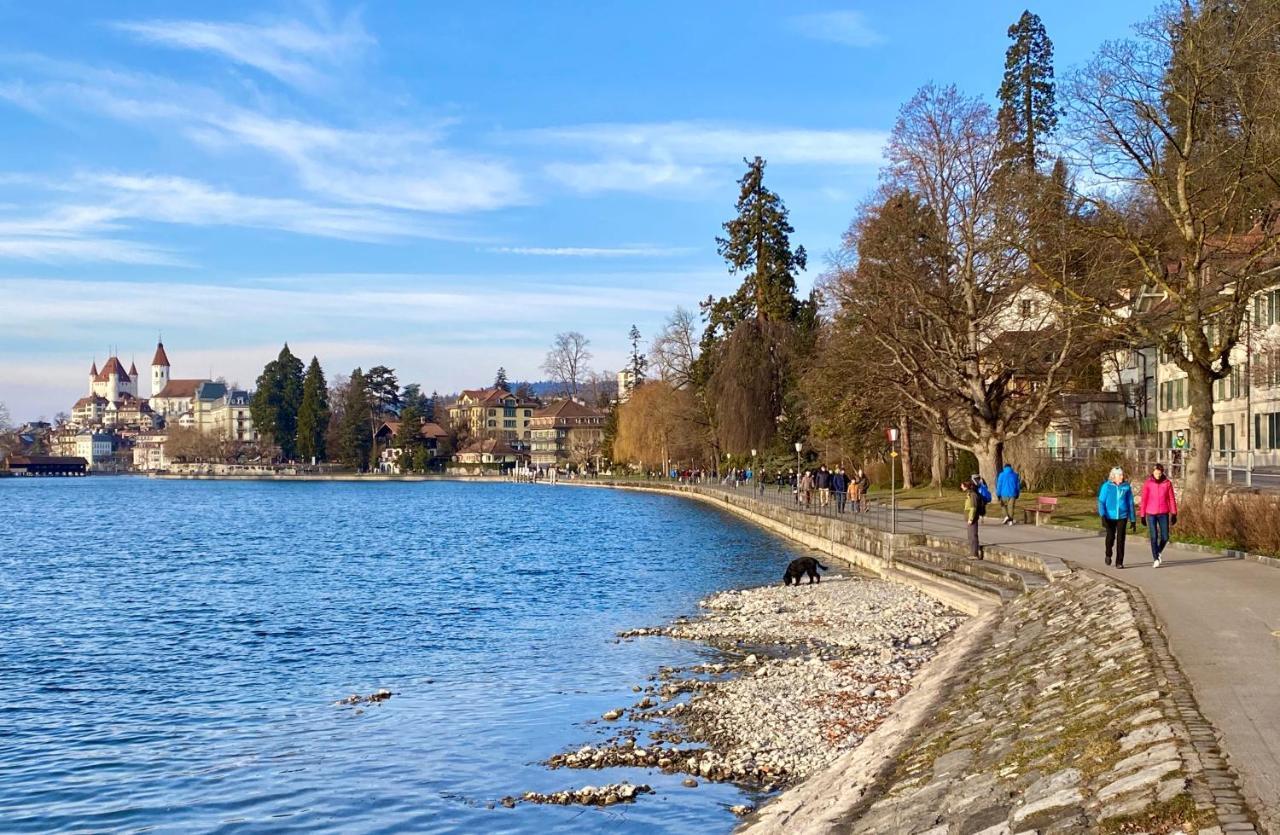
(1004, 251)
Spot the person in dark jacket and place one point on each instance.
(840, 487)
(1008, 489)
(822, 483)
(1115, 507)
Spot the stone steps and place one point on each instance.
(912, 564)
(993, 572)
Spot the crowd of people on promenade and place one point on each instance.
(1120, 508)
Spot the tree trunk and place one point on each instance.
(905, 433)
(1200, 431)
(938, 462)
(990, 455)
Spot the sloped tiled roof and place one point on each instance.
(161, 358)
(567, 409)
(112, 366)
(180, 388)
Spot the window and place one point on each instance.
(493, 423)
(493, 412)
(1028, 307)
(509, 411)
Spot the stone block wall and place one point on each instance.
(1064, 721)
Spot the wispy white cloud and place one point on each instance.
(647, 157)
(61, 250)
(296, 52)
(847, 27)
(395, 166)
(102, 205)
(594, 251)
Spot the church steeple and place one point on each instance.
(159, 369)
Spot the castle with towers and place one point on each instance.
(115, 400)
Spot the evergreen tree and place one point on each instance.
(429, 410)
(500, 380)
(638, 364)
(277, 400)
(354, 438)
(1028, 114)
(758, 240)
(413, 396)
(313, 414)
(409, 437)
(384, 390)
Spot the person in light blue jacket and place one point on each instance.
(1008, 489)
(1115, 507)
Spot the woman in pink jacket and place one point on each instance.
(1158, 511)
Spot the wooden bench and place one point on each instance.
(1043, 509)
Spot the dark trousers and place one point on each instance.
(842, 498)
(1158, 530)
(1115, 538)
(975, 550)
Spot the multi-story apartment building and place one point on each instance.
(493, 413)
(565, 432)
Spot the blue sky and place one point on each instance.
(438, 187)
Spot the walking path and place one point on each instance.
(1222, 617)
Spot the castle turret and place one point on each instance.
(159, 370)
(93, 375)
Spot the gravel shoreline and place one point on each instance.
(810, 672)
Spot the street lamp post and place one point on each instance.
(799, 446)
(755, 473)
(893, 480)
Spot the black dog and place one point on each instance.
(801, 566)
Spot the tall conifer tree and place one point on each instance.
(354, 438)
(1028, 113)
(276, 402)
(313, 414)
(758, 241)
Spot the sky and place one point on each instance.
(436, 187)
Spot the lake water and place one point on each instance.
(171, 651)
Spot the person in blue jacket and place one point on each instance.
(1115, 506)
(1008, 489)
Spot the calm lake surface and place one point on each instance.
(171, 651)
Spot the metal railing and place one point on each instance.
(877, 512)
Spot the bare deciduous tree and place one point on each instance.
(566, 362)
(941, 279)
(1180, 126)
(675, 348)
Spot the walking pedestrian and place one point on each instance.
(973, 511)
(1115, 506)
(1158, 511)
(823, 482)
(840, 486)
(1008, 489)
(864, 487)
(806, 487)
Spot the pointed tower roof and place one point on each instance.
(133, 368)
(160, 358)
(93, 370)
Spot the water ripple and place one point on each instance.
(173, 650)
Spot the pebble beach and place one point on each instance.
(807, 673)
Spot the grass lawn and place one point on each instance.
(1076, 511)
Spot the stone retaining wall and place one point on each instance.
(1065, 717)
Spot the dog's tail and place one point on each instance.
(823, 567)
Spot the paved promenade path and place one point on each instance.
(1222, 618)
